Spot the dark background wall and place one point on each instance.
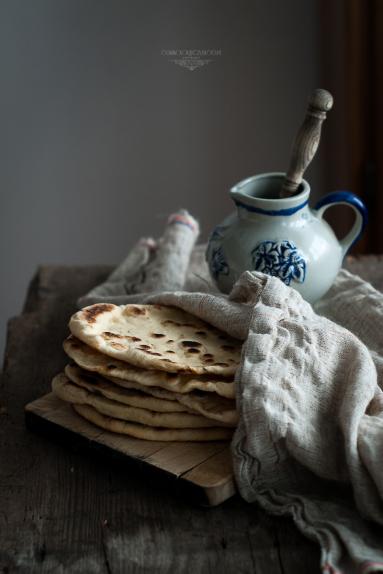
(102, 136)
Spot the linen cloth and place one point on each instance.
(151, 265)
(309, 442)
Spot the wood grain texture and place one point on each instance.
(192, 460)
(64, 512)
(307, 140)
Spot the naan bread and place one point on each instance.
(209, 405)
(127, 375)
(135, 398)
(157, 337)
(67, 391)
(150, 433)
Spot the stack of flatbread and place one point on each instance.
(150, 371)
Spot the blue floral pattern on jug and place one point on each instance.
(280, 259)
(219, 264)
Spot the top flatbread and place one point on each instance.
(127, 375)
(157, 337)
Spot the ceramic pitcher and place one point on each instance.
(284, 238)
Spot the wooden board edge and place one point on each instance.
(216, 495)
(216, 491)
(181, 487)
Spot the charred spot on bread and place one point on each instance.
(91, 313)
(157, 335)
(170, 322)
(133, 310)
(109, 335)
(117, 346)
(190, 344)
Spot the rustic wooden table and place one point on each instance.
(62, 510)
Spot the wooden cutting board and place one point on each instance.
(200, 471)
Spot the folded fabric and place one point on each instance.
(156, 266)
(305, 445)
(309, 441)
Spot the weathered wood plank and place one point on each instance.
(56, 411)
(174, 458)
(64, 512)
(217, 467)
(134, 447)
(178, 458)
(215, 477)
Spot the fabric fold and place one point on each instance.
(304, 445)
(150, 265)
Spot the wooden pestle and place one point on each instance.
(307, 140)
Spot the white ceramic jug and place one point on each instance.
(281, 237)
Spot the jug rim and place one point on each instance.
(243, 195)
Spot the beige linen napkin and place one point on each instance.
(153, 266)
(310, 437)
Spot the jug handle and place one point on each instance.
(346, 198)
